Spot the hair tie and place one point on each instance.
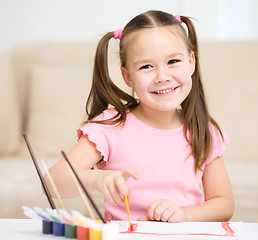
(178, 18)
(118, 33)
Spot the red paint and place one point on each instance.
(132, 227)
(82, 233)
(225, 225)
(227, 228)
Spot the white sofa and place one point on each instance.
(43, 93)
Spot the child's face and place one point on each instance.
(159, 68)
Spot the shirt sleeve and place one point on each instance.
(97, 136)
(219, 144)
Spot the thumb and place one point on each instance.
(145, 218)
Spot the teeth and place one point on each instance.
(164, 91)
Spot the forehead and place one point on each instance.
(158, 39)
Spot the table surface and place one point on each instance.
(32, 229)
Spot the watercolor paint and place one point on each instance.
(70, 231)
(82, 233)
(95, 234)
(58, 229)
(110, 231)
(47, 227)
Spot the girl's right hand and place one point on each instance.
(112, 184)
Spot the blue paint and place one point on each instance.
(58, 229)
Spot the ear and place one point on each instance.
(126, 77)
(192, 62)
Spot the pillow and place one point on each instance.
(57, 106)
(10, 127)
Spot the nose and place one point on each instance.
(162, 75)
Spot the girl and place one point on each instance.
(159, 148)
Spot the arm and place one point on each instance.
(83, 157)
(219, 201)
(218, 205)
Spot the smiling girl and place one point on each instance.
(159, 148)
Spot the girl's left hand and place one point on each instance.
(165, 211)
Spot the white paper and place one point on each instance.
(185, 230)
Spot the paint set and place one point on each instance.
(72, 225)
(60, 222)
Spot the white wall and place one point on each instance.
(26, 21)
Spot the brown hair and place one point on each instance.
(105, 93)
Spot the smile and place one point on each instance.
(165, 91)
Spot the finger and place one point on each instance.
(127, 173)
(115, 194)
(167, 214)
(145, 218)
(159, 211)
(121, 185)
(108, 196)
(130, 172)
(152, 208)
(178, 216)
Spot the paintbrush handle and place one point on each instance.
(127, 206)
(84, 189)
(39, 173)
(128, 211)
(53, 185)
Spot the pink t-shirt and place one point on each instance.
(161, 157)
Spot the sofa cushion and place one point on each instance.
(10, 127)
(231, 83)
(56, 107)
(53, 54)
(56, 54)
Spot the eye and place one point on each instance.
(173, 61)
(147, 66)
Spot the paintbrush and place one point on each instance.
(128, 212)
(44, 185)
(84, 199)
(84, 189)
(53, 185)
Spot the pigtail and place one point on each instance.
(103, 91)
(195, 111)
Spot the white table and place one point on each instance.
(32, 229)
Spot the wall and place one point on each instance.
(26, 21)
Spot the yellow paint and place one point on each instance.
(95, 234)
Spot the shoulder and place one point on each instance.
(220, 141)
(106, 114)
(99, 123)
(218, 135)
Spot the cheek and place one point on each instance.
(185, 75)
(141, 82)
(140, 88)
(187, 82)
